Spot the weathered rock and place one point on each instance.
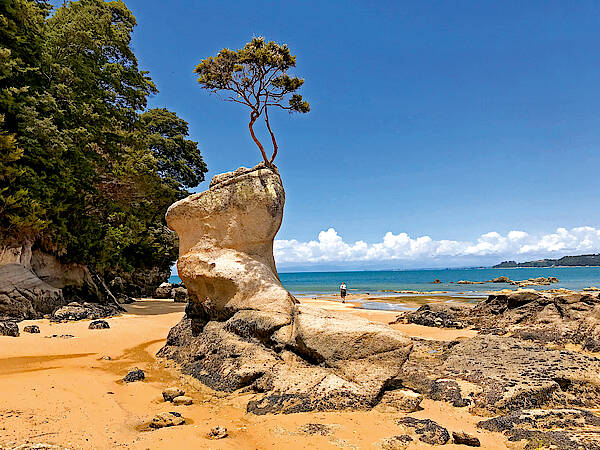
(31, 329)
(439, 315)
(400, 400)
(217, 433)
(429, 431)
(24, 296)
(9, 328)
(462, 438)
(545, 317)
(77, 311)
(395, 442)
(99, 325)
(163, 291)
(183, 400)
(562, 429)
(180, 295)
(134, 374)
(448, 391)
(502, 279)
(170, 393)
(243, 329)
(167, 419)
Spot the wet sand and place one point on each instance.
(60, 391)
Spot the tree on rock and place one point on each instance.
(255, 76)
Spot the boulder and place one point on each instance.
(180, 295)
(31, 329)
(439, 315)
(428, 431)
(183, 400)
(462, 438)
(24, 296)
(133, 375)
(402, 400)
(99, 325)
(170, 393)
(163, 291)
(167, 419)
(9, 328)
(242, 329)
(81, 311)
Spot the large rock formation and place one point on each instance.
(24, 296)
(244, 330)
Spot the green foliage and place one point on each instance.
(83, 171)
(255, 76)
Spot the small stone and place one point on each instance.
(167, 419)
(134, 374)
(172, 392)
(31, 329)
(99, 325)
(9, 329)
(217, 433)
(106, 358)
(183, 400)
(462, 438)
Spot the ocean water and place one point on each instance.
(374, 282)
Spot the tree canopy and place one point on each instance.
(255, 76)
(85, 173)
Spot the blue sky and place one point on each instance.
(438, 119)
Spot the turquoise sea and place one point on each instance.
(374, 282)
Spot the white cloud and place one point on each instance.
(330, 248)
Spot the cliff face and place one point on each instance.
(243, 329)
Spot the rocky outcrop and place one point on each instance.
(562, 429)
(244, 330)
(541, 316)
(24, 296)
(82, 311)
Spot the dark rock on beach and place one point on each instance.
(133, 375)
(462, 438)
(562, 429)
(99, 325)
(438, 315)
(9, 328)
(428, 431)
(31, 329)
(81, 311)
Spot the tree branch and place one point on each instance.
(272, 136)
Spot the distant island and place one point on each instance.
(581, 260)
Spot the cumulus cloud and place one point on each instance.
(330, 248)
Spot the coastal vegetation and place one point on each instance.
(86, 170)
(255, 76)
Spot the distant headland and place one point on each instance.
(581, 260)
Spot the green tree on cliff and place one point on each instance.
(85, 173)
(255, 76)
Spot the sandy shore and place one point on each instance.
(60, 390)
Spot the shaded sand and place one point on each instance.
(60, 391)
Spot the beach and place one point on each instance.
(65, 391)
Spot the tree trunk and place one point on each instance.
(272, 137)
(253, 118)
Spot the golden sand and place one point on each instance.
(61, 391)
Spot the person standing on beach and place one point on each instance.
(343, 292)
